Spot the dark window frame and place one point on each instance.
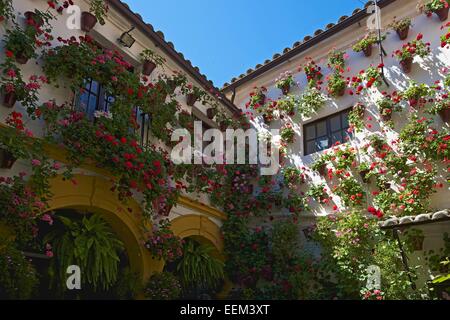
(329, 132)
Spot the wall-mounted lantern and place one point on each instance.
(126, 39)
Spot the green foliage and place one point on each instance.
(89, 243)
(150, 55)
(18, 278)
(163, 286)
(6, 10)
(369, 40)
(99, 8)
(198, 267)
(311, 101)
(336, 84)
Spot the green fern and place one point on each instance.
(198, 267)
(89, 244)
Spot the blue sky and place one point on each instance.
(224, 38)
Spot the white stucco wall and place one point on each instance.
(106, 35)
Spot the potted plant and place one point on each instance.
(356, 117)
(257, 97)
(365, 45)
(150, 60)
(364, 171)
(336, 85)
(163, 244)
(416, 94)
(320, 164)
(441, 106)
(97, 13)
(389, 104)
(445, 39)
(310, 102)
(287, 105)
(163, 286)
(293, 176)
(411, 49)
(319, 193)
(195, 94)
(439, 7)
(15, 89)
(285, 81)
(6, 10)
(401, 27)
(373, 76)
(313, 72)
(211, 113)
(287, 133)
(21, 44)
(336, 59)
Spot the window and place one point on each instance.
(324, 133)
(94, 98)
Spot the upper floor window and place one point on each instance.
(94, 98)
(324, 133)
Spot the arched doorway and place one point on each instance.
(93, 194)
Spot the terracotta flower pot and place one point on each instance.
(368, 51)
(386, 117)
(9, 99)
(406, 65)
(148, 67)
(322, 170)
(445, 115)
(29, 15)
(7, 160)
(340, 93)
(21, 58)
(191, 99)
(286, 89)
(266, 119)
(223, 126)
(442, 13)
(403, 33)
(211, 113)
(88, 21)
(262, 99)
(364, 174)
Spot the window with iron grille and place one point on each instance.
(324, 133)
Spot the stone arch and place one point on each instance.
(200, 228)
(94, 193)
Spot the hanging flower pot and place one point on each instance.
(406, 65)
(386, 117)
(9, 99)
(262, 99)
(211, 113)
(21, 58)
(34, 18)
(322, 170)
(7, 160)
(403, 33)
(267, 119)
(223, 126)
(286, 89)
(445, 115)
(442, 13)
(363, 174)
(340, 93)
(191, 99)
(148, 67)
(368, 51)
(88, 21)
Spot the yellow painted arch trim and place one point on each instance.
(93, 194)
